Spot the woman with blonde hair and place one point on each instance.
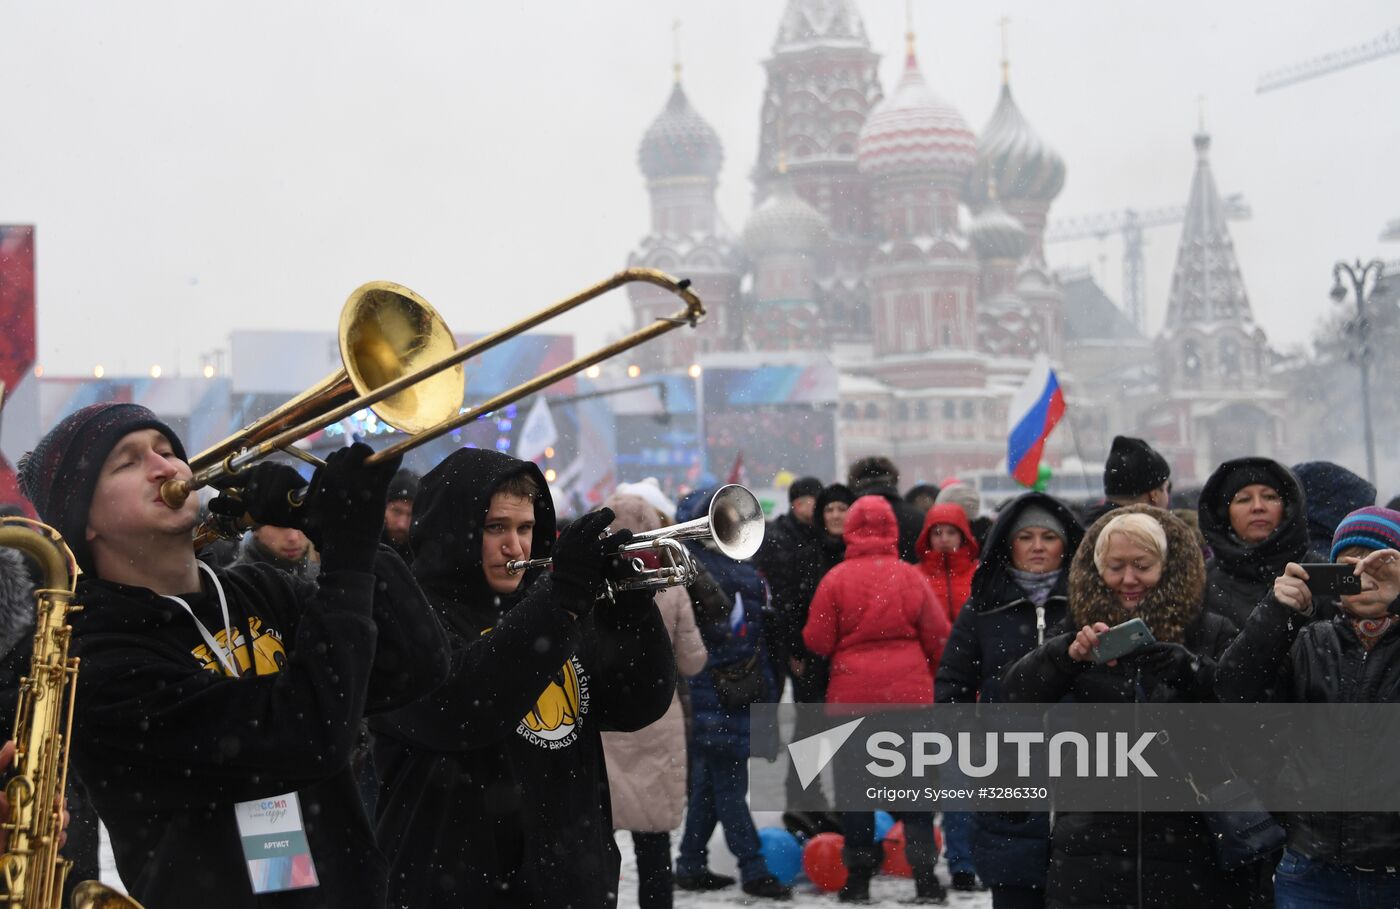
(1135, 562)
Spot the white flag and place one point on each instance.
(538, 433)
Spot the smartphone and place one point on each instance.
(1333, 580)
(1121, 640)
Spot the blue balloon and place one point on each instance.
(781, 852)
(883, 823)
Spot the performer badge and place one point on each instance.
(274, 843)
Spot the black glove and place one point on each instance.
(580, 561)
(347, 500)
(1171, 664)
(262, 492)
(617, 565)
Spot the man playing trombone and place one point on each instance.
(217, 710)
(494, 787)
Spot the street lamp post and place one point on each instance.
(1360, 329)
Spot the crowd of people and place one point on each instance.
(377, 698)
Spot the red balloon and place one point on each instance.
(895, 863)
(821, 859)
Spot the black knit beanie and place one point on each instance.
(404, 486)
(1133, 468)
(804, 486)
(60, 475)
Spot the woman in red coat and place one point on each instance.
(878, 621)
(948, 555)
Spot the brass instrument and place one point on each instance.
(734, 524)
(396, 378)
(32, 870)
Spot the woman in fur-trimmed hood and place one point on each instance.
(1150, 569)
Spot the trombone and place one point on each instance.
(734, 524)
(392, 347)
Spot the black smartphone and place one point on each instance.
(1121, 640)
(1330, 579)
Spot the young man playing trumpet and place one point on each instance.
(494, 790)
(217, 709)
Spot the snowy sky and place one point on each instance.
(196, 168)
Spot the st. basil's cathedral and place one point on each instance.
(857, 254)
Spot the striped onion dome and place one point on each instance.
(1013, 155)
(913, 131)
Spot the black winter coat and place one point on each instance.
(1281, 657)
(997, 626)
(1240, 575)
(793, 562)
(167, 743)
(1143, 859)
(494, 790)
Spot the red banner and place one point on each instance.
(16, 329)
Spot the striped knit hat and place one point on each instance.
(60, 475)
(1373, 528)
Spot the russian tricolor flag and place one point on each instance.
(1035, 409)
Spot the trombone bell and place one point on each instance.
(388, 331)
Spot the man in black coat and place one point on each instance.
(494, 789)
(210, 700)
(877, 476)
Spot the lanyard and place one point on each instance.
(225, 655)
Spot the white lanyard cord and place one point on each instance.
(225, 655)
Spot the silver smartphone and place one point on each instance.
(1121, 640)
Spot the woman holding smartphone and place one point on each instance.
(1135, 562)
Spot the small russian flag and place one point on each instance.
(1035, 409)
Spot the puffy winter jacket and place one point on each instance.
(998, 625)
(876, 617)
(1281, 657)
(1124, 858)
(949, 573)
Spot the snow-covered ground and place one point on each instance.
(887, 891)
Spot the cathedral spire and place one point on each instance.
(1206, 287)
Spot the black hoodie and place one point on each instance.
(494, 790)
(166, 743)
(1241, 575)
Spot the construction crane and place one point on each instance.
(1131, 222)
(1387, 43)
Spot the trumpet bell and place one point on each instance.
(736, 522)
(388, 331)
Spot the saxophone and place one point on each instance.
(31, 870)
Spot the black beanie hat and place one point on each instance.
(1133, 468)
(60, 475)
(404, 486)
(804, 486)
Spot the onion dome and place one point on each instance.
(1015, 157)
(913, 131)
(997, 235)
(679, 143)
(784, 223)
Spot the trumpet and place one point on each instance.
(734, 524)
(391, 344)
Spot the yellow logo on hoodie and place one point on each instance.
(555, 719)
(269, 655)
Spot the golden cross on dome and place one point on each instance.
(909, 28)
(676, 47)
(1005, 24)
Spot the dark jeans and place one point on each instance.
(1301, 883)
(719, 786)
(808, 688)
(957, 840)
(861, 850)
(1017, 898)
(654, 879)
